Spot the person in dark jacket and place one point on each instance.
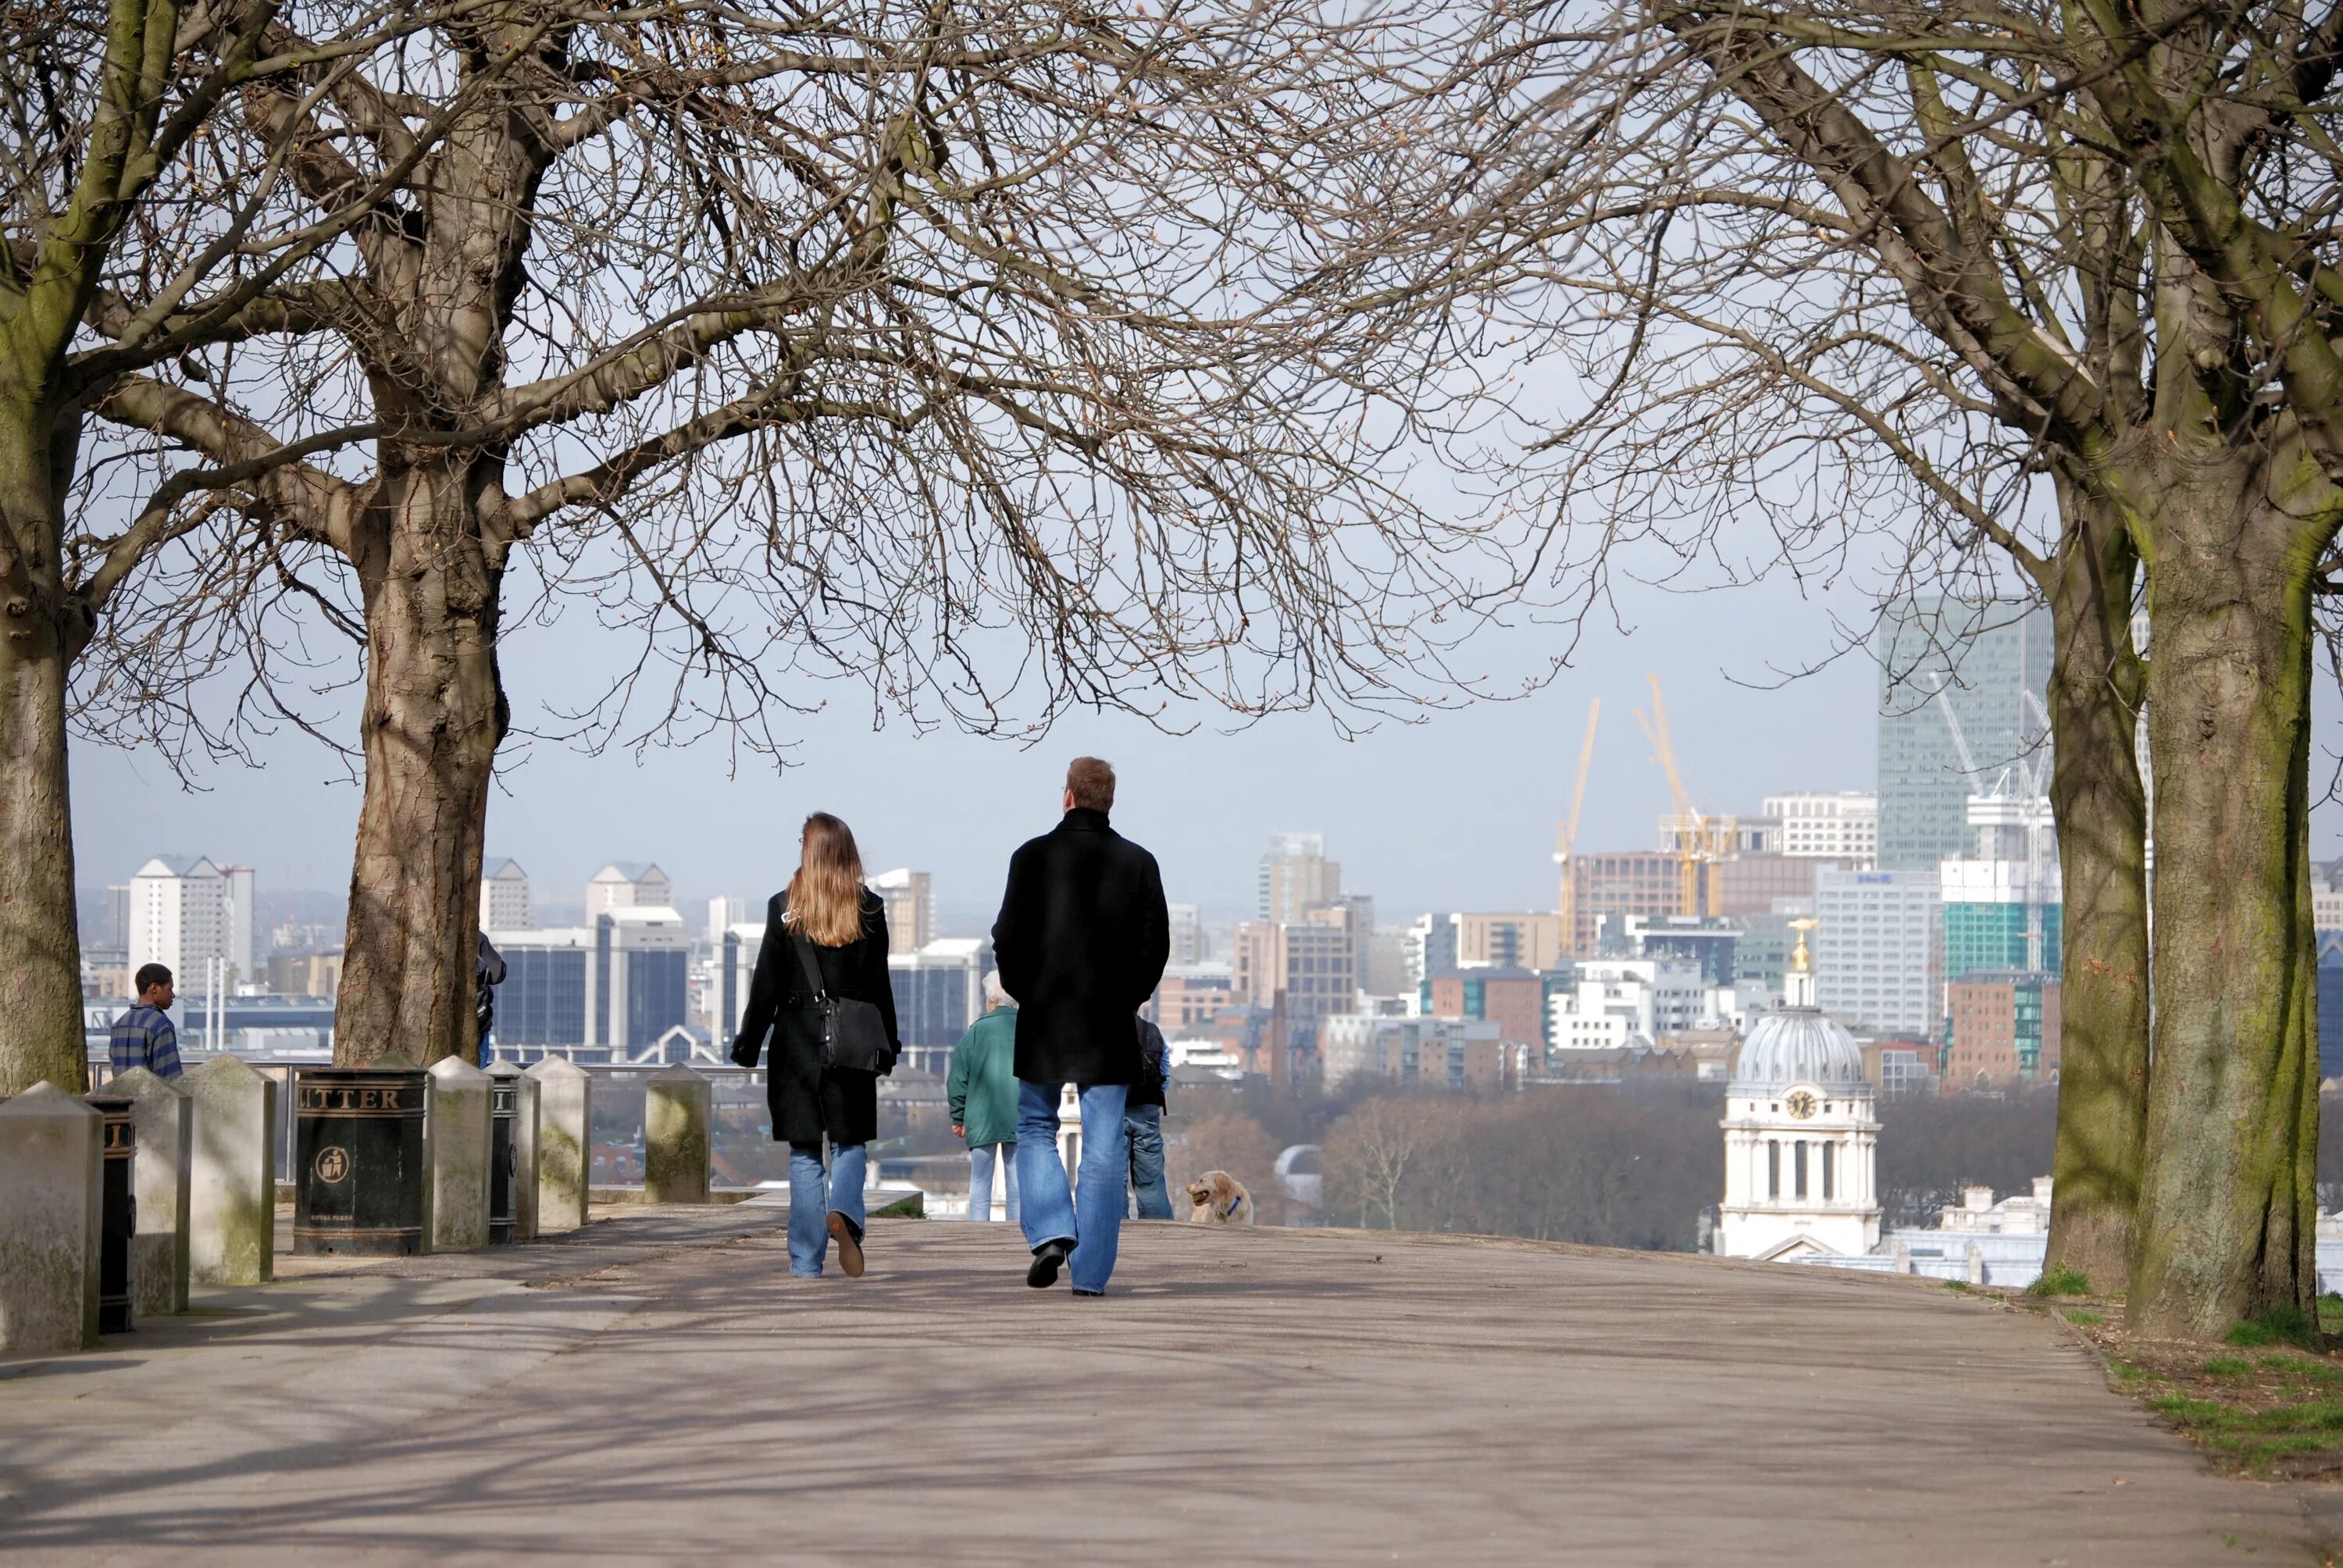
(488, 973)
(1143, 1124)
(827, 918)
(1080, 943)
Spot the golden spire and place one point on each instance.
(1802, 925)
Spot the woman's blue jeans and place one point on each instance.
(981, 1159)
(813, 1199)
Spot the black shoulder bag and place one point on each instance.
(853, 1035)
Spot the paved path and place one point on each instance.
(658, 1387)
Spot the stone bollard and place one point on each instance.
(1977, 1264)
(232, 1180)
(527, 1107)
(565, 1143)
(165, 1119)
(459, 1136)
(676, 1112)
(50, 1159)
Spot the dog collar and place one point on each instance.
(1234, 1204)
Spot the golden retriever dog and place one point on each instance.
(1219, 1199)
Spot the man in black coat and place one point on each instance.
(1080, 943)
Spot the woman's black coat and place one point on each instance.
(1080, 943)
(809, 1100)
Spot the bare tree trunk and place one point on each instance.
(2226, 1220)
(2101, 811)
(40, 940)
(434, 714)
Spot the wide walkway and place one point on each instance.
(658, 1387)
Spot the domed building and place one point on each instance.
(1801, 1143)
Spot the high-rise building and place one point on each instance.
(1528, 942)
(737, 946)
(938, 992)
(1960, 703)
(1188, 943)
(504, 896)
(627, 885)
(724, 912)
(1296, 877)
(1877, 962)
(1841, 827)
(2003, 1028)
(1430, 947)
(1764, 884)
(910, 908)
(608, 990)
(1998, 919)
(1313, 961)
(1513, 1000)
(1621, 882)
(195, 918)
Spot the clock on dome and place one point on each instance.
(1800, 1103)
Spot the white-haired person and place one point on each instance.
(982, 1090)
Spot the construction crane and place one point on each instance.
(1568, 835)
(1696, 837)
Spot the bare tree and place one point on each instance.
(2055, 280)
(135, 236)
(956, 350)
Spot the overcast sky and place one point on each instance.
(1457, 812)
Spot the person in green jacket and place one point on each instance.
(982, 1089)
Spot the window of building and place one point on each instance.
(1773, 1167)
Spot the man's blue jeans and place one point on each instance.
(1142, 1133)
(1091, 1214)
(982, 1158)
(812, 1199)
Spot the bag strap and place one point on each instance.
(804, 946)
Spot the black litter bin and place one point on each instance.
(118, 1215)
(503, 1102)
(357, 1152)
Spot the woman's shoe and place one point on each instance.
(849, 1246)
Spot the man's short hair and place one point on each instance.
(150, 975)
(1091, 781)
(996, 995)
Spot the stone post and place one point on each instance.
(676, 1112)
(528, 1106)
(164, 1117)
(459, 1156)
(1977, 1264)
(565, 1143)
(51, 1147)
(232, 1182)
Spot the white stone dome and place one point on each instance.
(1798, 1045)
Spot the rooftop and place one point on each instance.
(657, 1388)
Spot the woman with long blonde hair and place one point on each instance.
(822, 995)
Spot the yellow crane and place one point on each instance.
(1568, 836)
(1694, 836)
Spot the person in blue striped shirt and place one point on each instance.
(144, 1036)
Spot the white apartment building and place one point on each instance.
(1878, 949)
(723, 914)
(627, 885)
(1617, 1000)
(504, 896)
(1844, 825)
(186, 913)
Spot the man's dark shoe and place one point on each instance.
(1091, 1293)
(1047, 1260)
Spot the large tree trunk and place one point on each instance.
(434, 714)
(2226, 1220)
(40, 940)
(2101, 811)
